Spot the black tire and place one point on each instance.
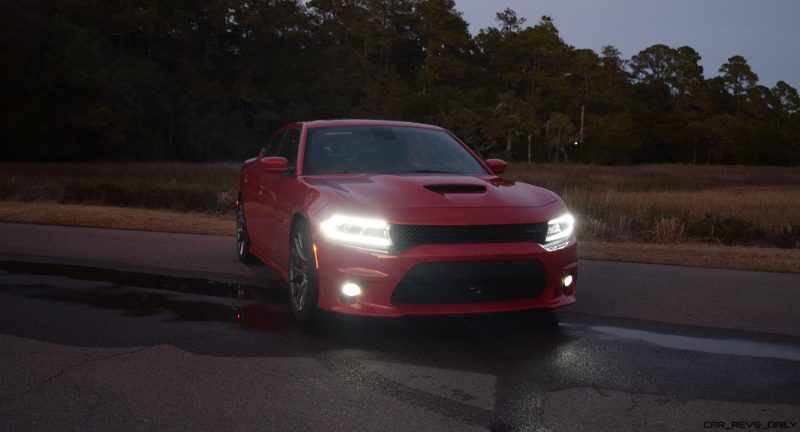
(242, 238)
(303, 282)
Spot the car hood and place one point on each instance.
(399, 194)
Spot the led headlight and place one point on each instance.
(560, 228)
(358, 231)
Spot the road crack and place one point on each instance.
(61, 372)
(634, 403)
(64, 370)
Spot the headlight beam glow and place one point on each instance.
(560, 228)
(358, 231)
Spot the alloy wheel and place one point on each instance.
(298, 271)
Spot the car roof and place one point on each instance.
(364, 122)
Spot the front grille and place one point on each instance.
(405, 236)
(470, 282)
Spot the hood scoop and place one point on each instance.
(456, 189)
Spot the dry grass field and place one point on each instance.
(731, 205)
(207, 188)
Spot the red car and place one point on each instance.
(389, 218)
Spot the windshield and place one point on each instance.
(386, 149)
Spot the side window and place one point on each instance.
(290, 145)
(272, 146)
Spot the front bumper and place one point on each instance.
(379, 273)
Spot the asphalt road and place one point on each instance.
(121, 330)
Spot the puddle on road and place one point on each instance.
(735, 347)
(251, 307)
(265, 308)
(147, 280)
(260, 316)
(245, 306)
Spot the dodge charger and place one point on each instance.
(387, 218)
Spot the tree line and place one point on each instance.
(205, 80)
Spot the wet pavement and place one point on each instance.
(87, 348)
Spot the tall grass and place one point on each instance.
(674, 203)
(209, 188)
(651, 203)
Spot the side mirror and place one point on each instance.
(496, 166)
(274, 164)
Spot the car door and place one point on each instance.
(277, 205)
(256, 204)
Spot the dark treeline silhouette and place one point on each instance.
(203, 80)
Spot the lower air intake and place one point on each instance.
(470, 282)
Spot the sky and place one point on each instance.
(765, 32)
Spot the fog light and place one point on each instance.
(567, 281)
(350, 289)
